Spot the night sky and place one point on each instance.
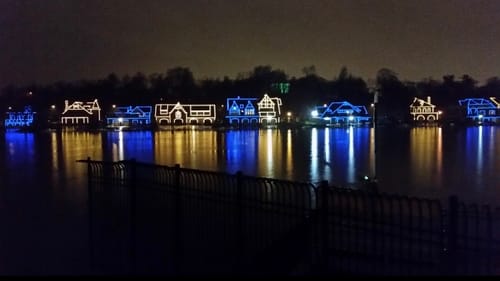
(49, 40)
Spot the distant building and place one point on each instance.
(422, 110)
(185, 114)
(480, 109)
(269, 110)
(20, 119)
(341, 112)
(251, 111)
(81, 113)
(130, 116)
(242, 111)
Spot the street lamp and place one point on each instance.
(288, 115)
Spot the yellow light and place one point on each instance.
(53, 106)
(288, 114)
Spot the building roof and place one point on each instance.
(341, 108)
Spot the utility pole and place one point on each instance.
(371, 181)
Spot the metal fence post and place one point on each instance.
(90, 215)
(240, 247)
(177, 255)
(489, 241)
(133, 214)
(452, 233)
(323, 225)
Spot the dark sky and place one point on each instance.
(48, 40)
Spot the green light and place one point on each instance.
(282, 88)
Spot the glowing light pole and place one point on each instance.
(372, 105)
(372, 182)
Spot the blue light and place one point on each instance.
(20, 119)
(130, 115)
(20, 148)
(128, 145)
(241, 147)
(341, 112)
(481, 109)
(242, 110)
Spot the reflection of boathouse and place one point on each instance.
(20, 119)
(181, 114)
(81, 113)
(422, 110)
(480, 109)
(249, 111)
(130, 116)
(341, 113)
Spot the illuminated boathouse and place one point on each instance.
(341, 113)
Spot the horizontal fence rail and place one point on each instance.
(168, 220)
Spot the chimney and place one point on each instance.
(429, 99)
(66, 104)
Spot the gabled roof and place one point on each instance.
(143, 109)
(176, 106)
(420, 102)
(238, 100)
(129, 110)
(267, 99)
(478, 102)
(494, 100)
(344, 107)
(88, 107)
(236, 107)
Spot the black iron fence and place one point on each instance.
(152, 219)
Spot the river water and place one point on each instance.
(43, 191)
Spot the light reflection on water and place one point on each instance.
(426, 156)
(429, 162)
(43, 194)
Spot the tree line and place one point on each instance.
(179, 85)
